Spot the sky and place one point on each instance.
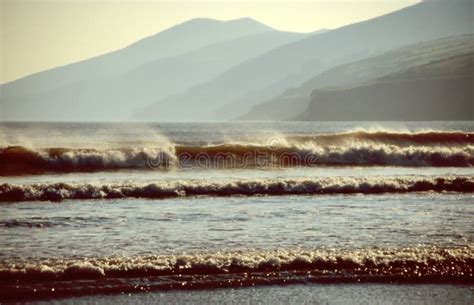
(39, 35)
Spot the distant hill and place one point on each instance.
(440, 90)
(293, 101)
(234, 92)
(108, 87)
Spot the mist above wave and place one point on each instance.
(355, 148)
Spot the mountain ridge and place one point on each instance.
(439, 90)
(270, 74)
(168, 35)
(97, 94)
(295, 100)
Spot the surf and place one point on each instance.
(58, 276)
(234, 187)
(355, 148)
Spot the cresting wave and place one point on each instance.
(359, 148)
(234, 269)
(310, 154)
(184, 188)
(21, 160)
(423, 138)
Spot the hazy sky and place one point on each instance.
(38, 35)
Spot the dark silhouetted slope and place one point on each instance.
(293, 101)
(440, 90)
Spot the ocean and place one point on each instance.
(171, 212)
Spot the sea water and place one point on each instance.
(91, 208)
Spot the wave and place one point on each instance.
(358, 148)
(310, 154)
(245, 187)
(235, 269)
(423, 138)
(21, 160)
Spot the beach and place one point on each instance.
(334, 294)
(320, 213)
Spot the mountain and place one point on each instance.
(161, 78)
(234, 92)
(295, 100)
(84, 89)
(440, 90)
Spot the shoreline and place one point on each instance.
(354, 293)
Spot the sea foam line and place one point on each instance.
(247, 187)
(20, 160)
(410, 261)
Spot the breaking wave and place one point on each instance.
(311, 154)
(20, 160)
(185, 188)
(359, 148)
(423, 138)
(234, 269)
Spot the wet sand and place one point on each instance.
(333, 294)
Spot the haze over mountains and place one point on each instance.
(270, 74)
(212, 70)
(439, 90)
(294, 101)
(111, 86)
(176, 40)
